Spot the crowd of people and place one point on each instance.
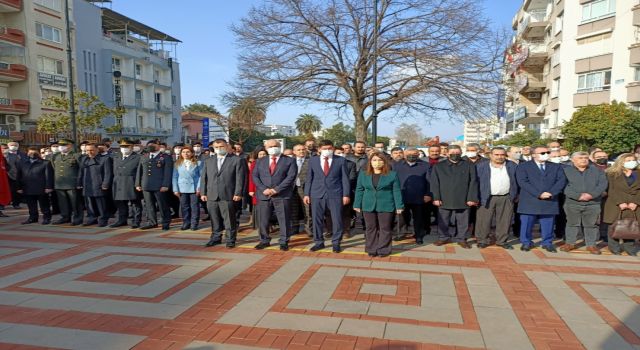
(329, 191)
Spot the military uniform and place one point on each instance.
(155, 172)
(124, 188)
(95, 179)
(66, 170)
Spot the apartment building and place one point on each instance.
(481, 131)
(274, 129)
(566, 54)
(129, 65)
(33, 61)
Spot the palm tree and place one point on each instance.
(244, 115)
(307, 124)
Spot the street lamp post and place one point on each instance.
(72, 100)
(374, 126)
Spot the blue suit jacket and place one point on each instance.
(483, 172)
(334, 185)
(187, 180)
(533, 182)
(282, 180)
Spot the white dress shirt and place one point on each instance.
(500, 182)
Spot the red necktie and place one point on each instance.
(272, 166)
(326, 166)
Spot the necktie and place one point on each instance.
(326, 166)
(542, 167)
(220, 163)
(272, 166)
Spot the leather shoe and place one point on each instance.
(46, 221)
(231, 245)
(594, 250)
(439, 242)
(148, 227)
(337, 249)
(194, 227)
(464, 245)
(482, 245)
(102, 224)
(317, 247)
(90, 223)
(76, 223)
(212, 243)
(61, 222)
(526, 247)
(135, 226)
(284, 247)
(118, 224)
(185, 227)
(262, 245)
(165, 227)
(505, 246)
(419, 242)
(567, 247)
(550, 248)
(372, 255)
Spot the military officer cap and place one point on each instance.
(65, 142)
(125, 142)
(85, 142)
(136, 142)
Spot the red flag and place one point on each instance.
(5, 191)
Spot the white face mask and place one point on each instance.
(137, 149)
(273, 151)
(553, 149)
(198, 150)
(544, 157)
(555, 160)
(472, 154)
(630, 165)
(47, 153)
(564, 158)
(125, 150)
(221, 151)
(63, 149)
(517, 155)
(13, 148)
(55, 150)
(177, 151)
(326, 153)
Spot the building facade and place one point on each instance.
(33, 61)
(131, 66)
(273, 129)
(569, 54)
(481, 131)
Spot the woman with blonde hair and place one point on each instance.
(186, 186)
(623, 198)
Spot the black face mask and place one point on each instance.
(455, 157)
(151, 149)
(412, 158)
(32, 156)
(601, 161)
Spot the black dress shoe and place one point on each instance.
(118, 224)
(505, 246)
(103, 224)
(76, 223)
(29, 221)
(46, 221)
(61, 222)
(148, 227)
(317, 247)
(284, 247)
(550, 248)
(185, 227)
(419, 241)
(525, 247)
(372, 255)
(262, 245)
(90, 223)
(231, 245)
(337, 249)
(194, 227)
(212, 243)
(135, 226)
(482, 245)
(165, 227)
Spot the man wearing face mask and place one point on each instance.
(222, 186)
(66, 166)
(35, 184)
(197, 150)
(472, 154)
(600, 159)
(153, 179)
(455, 189)
(274, 178)
(565, 158)
(416, 193)
(554, 146)
(347, 210)
(137, 148)
(540, 182)
(327, 189)
(13, 158)
(125, 168)
(94, 179)
(382, 148)
(526, 154)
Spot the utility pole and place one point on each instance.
(374, 127)
(72, 100)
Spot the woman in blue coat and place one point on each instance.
(186, 185)
(378, 197)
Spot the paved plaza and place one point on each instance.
(64, 287)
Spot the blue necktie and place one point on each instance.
(542, 167)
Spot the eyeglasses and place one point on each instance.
(541, 153)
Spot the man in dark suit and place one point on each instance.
(155, 173)
(66, 166)
(125, 168)
(541, 182)
(301, 212)
(96, 174)
(416, 193)
(222, 184)
(274, 178)
(14, 157)
(35, 183)
(327, 188)
(347, 210)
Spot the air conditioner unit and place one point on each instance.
(13, 127)
(11, 119)
(534, 95)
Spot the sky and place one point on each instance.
(207, 54)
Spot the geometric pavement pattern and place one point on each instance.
(64, 287)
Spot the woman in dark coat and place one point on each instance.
(378, 197)
(623, 198)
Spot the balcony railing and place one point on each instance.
(12, 72)
(14, 106)
(136, 46)
(12, 35)
(534, 16)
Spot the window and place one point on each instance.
(138, 70)
(635, 106)
(594, 81)
(156, 76)
(557, 27)
(636, 76)
(49, 33)
(555, 88)
(595, 38)
(159, 123)
(555, 58)
(138, 98)
(46, 93)
(174, 100)
(49, 65)
(598, 9)
(52, 4)
(115, 63)
(140, 121)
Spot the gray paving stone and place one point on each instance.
(437, 285)
(630, 291)
(192, 293)
(439, 302)
(343, 262)
(362, 328)
(488, 296)
(383, 289)
(525, 258)
(437, 335)
(435, 314)
(248, 312)
(38, 245)
(501, 329)
(300, 322)
(347, 306)
(415, 267)
(59, 302)
(626, 310)
(605, 292)
(319, 289)
(292, 270)
(478, 276)
(15, 298)
(7, 251)
(393, 275)
(598, 337)
(546, 279)
(228, 271)
(578, 277)
(67, 338)
(27, 256)
(137, 309)
(153, 288)
(131, 273)
(201, 345)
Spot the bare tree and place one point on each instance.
(435, 57)
(409, 134)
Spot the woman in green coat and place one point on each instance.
(378, 197)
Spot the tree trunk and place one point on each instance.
(360, 125)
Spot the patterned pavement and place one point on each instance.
(64, 287)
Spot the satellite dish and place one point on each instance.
(117, 74)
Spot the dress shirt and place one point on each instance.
(220, 161)
(299, 162)
(500, 182)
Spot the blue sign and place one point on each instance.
(500, 111)
(205, 132)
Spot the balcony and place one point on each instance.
(12, 72)
(14, 106)
(136, 131)
(533, 24)
(530, 82)
(633, 92)
(636, 14)
(10, 5)
(162, 108)
(11, 35)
